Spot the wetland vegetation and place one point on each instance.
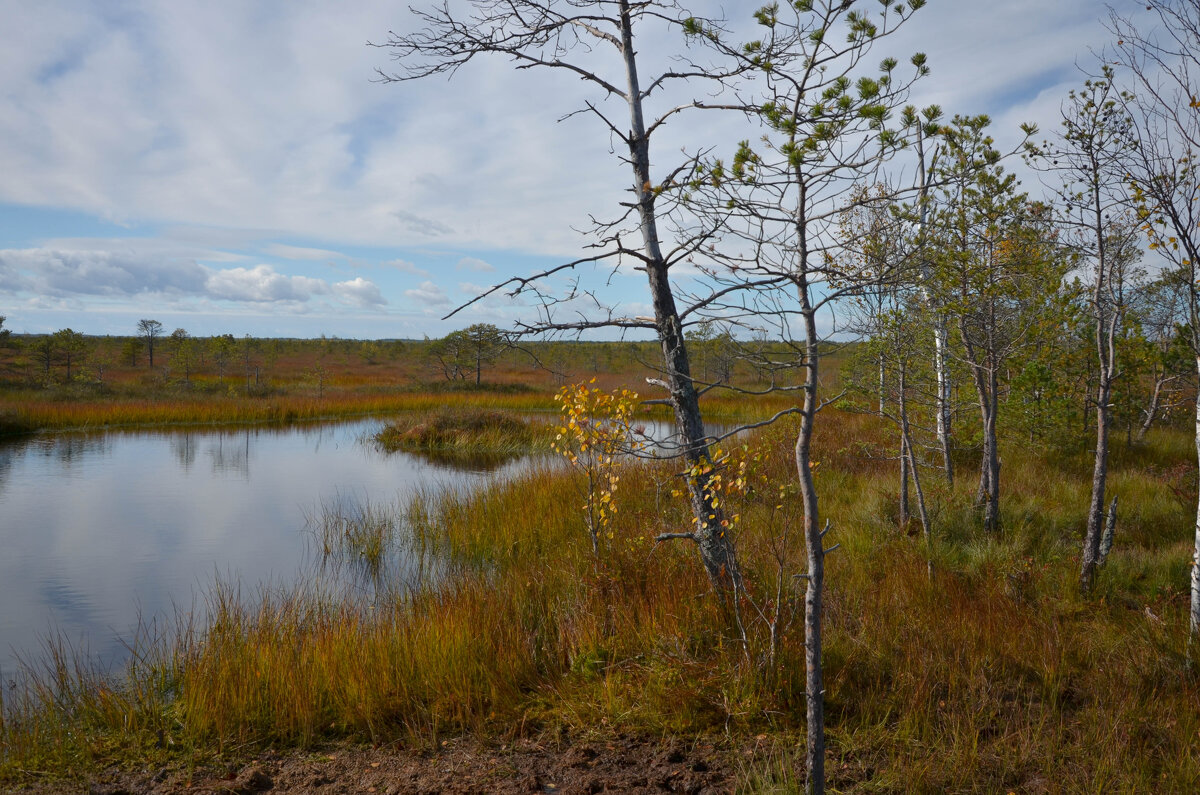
(996, 671)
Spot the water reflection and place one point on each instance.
(70, 450)
(230, 453)
(183, 446)
(373, 551)
(102, 532)
(8, 453)
(468, 461)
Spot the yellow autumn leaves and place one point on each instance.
(596, 430)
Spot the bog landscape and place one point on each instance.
(888, 484)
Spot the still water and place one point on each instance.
(101, 531)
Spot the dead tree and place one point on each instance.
(595, 41)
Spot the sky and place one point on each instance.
(235, 166)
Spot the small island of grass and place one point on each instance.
(466, 432)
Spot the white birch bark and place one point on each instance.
(1194, 621)
(939, 324)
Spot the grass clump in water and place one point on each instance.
(355, 530)
(465, 431)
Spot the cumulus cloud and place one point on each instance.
(359, 291)
(428, 293)
(262, 283)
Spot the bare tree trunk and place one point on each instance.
(943, 396)
(814, 536)
(991, 516)
(905, 513)
(1095, 524)
(1194, 621)
(939, 328)
(716, 549)
(984, 406)
(987, 494)
(1152, 410)
(882, 385)
(1106, 334)
(814, 542)
(906, 435)
(988, 498)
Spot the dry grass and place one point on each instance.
(994, 676)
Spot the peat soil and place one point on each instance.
(617, 764)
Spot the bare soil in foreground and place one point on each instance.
(619, 764)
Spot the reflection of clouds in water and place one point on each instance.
(140, 520)
(68, 603)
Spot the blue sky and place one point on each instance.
(230, 166)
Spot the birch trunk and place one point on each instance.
(1194, 621)
(1095, 525)
(939, 326)
(943, 396)
(1106, 333)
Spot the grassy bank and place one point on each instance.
(994, 676)
(30, 411)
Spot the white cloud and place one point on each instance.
(404, 266)
(475, 265)
(262, 283)
(428, 293)
(426, 227)
(66, 273)
(359, 291)
(301, 253)
(239, 133)
(240, 119)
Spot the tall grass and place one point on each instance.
(994, 676)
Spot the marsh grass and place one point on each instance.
(23, 412)
(466, 431)
(354, 529)
(994, 676)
